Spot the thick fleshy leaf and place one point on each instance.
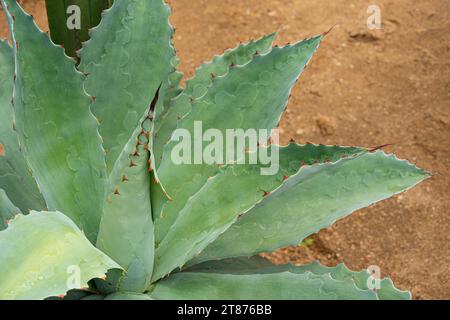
(220, 65)
(128, 296)
(44, 254)
(251, 96)
(59, 16)
(126, 230)
(384, 288)
(74, 294)
(266, 286)
(199, 84)
(7, 210)
(127, 58)
(174, 83)
(15, 177)
(56, 129)
(229, 195)
(313, 199)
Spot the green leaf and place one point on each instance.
(199, 84)
(15, 177)
(173, 87)
(259, 265)
(56, 129)
(226, 197)
(313, 199)
(251, 96)
(7, 210)
(220, 65)
(127, 213)
(386, 290)
(94, 297)
(74, 294)
(270, 286)
(59, 16)
(43, 254)
(127, 296)
(127, 58)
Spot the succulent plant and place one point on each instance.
(93, 207)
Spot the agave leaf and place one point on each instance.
(386, 291)
(199, 84)
(15, 177)
(252, 96)
(56, 129)
(226, 197)
(7, 210)
(127, 58)
(256, 264)
(313, 199)
(220, 65)
(44, 254)
(128, 296)
(90, 15)
(94, 297)
(240, 265)
(174, 87)
(74, 294)
(266, 286)
(127, 213)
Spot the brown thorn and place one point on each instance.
(327, 32)
(116, 191)
(124, 178)
(380, 147)
(155, 99)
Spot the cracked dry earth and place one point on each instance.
(363, 88)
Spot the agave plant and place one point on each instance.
(93, 207)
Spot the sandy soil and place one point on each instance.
(363, 88)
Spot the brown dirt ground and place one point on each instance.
(363, 88)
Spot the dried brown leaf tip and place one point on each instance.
(2, 150)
